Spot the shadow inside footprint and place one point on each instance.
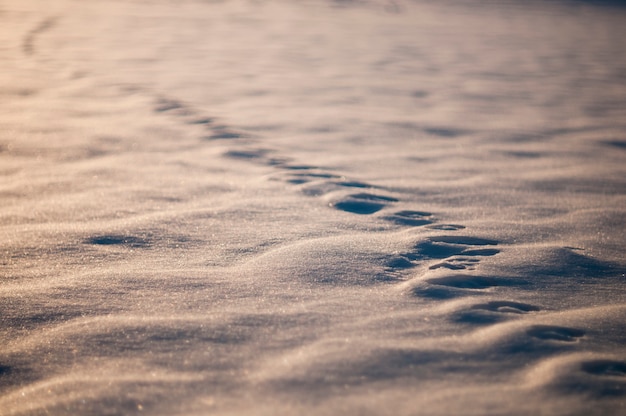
(224, 135)
(604, 368)
(442, 247)
(492, 312)
(482, 252)
(446, 227)
(444, 132)
(620, 144)
(164, 105)
(465, 240)
(108, 240)
(202, 121)
(449, 266)
(555, 333)
(398, 263)
(359, 207)
(438, 292)
(503, 306)
(460, 281)
(600, 378)
(429, 250)
(460, 263)
(314, 175)
(372, 197)
(363, 203)
(297, 181)
(354, 184)
(410, 218)
(246, 154)
(299, 167)
(16, 375)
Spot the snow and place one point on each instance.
(312, 207)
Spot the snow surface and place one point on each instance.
(312, 207)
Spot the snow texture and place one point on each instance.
(312, 207)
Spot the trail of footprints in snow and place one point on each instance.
(454, 253)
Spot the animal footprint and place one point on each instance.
(316, 184)
(165, 104)
(452, 286)
(465, 240)
(299, 167)
(254, 154)
(445, 248)
(555, 333)
(353, 184)
(205, 120)
(108, 240)
(317, 189)
(460, 281)
(456, 264)
(495, 311)
(410, 218)
(608, 368)
(446, 227)
(503, 306)
(363, 203)
(458, 245)
(442, 247)
(399, 263)
(449, 287)
(224, 134)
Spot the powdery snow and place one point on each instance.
(312, 207)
